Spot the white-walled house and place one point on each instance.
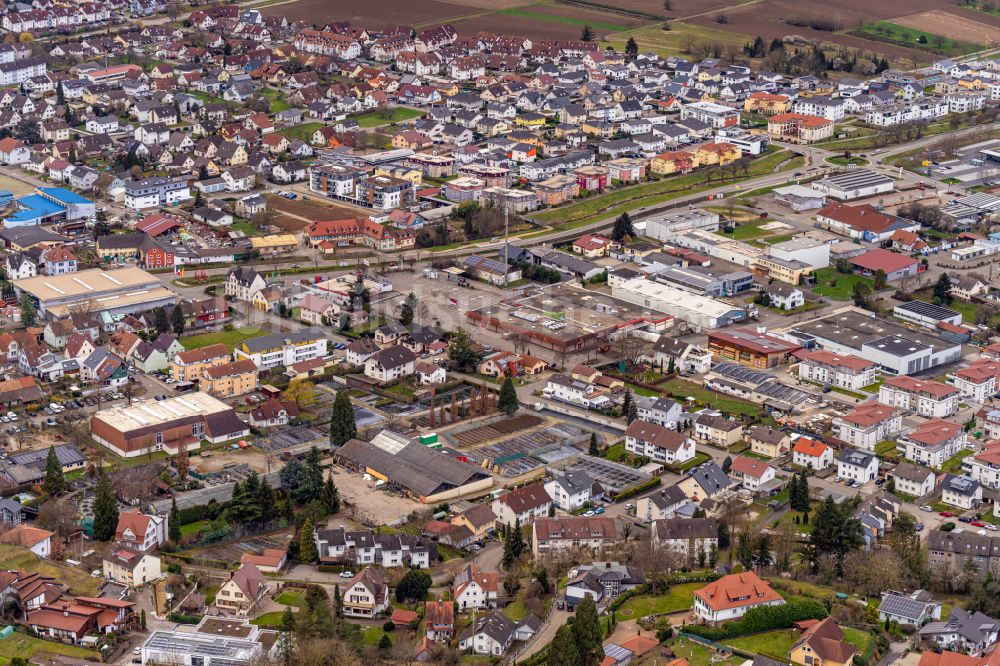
(855, 465)
(751, 473)
(925, 397)
(811, 454)
(961, 491)
(658, 443)
(933, 442)
(868, 424)
(730, 597)
(522, 504)
(913, 479)
(571, 490)
(845, 371)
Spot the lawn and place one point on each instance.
(79, 581)
(681, 389)
(773, 644)
(698, 459)
(302, 132)
(790, 516)
(697, 654)
(229, 338)
(885, 447)
(193, 528)
(516, 610)
(386, 116)
(248, 228)
(270, 620)
(290, 598)
(860, 639)
(210, 591)
(836, 285)
(625, 199)
(840, 160)
(874, 386)
(372, 635)
(746, 231)
(403, 390)
(276, 98)
(678, 598)
(968, 312)
(643, 391)
(616, 452)
(22, 645)
(953, 465)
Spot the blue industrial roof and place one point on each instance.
(64, 195)
(35, 207)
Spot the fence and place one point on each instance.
(512, 657)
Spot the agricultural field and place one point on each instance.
(678, 39)
(550, 21)
(383, 12)
(930, 31)
(299, 213)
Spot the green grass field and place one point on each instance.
(290, 598)
(746, 231)
(954, 464)
(77, 580)
(270, 620)
(193, 528)
(681, 389)
(276, 99)
(697, 654)
(673, 41)
(571, 20)
(900, 34)
(615, 202)
(677, 598)
(386, 116)
(860, 639)
(229, 338)
(26, 647)
(302, 132)
(841, 291)
(773, 644)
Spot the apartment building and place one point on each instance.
(976, 382)
(925, 397)
(549, 535)
(868, 424)
(845, 371)
(658, 443)
(188, 366)
(283, 349)
(933, 442)
(228, 380)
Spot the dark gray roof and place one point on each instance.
(422, 470)
(67, 454)
(711, 478)
(692, 528)
(902, 606)
(256, 345)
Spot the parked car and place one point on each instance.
(945, 514)
(978, 523)
(346, 574)
(926, 508)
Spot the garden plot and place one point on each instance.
(527, 452)
(613, 477)
(289, 438)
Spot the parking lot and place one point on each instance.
(374, 507)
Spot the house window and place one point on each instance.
(159, 438)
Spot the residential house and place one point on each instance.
(522, 505)
(730, 597)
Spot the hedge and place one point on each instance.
(635, 490)
(763, 618)
(181, 618)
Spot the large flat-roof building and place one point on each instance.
(119, 291)
(750, 347)
(697, 310)
(896, 349)
(146, 426)
(566, 318)
(427, 474)
(854, 184)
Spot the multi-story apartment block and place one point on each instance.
(977, 382)
(283, 349)
(155, 193)
(658, 443)
(933, 442)
(846, 371)
(868, 424)
(925, 397)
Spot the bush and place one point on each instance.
(388, 626)
(636, 490)
(764, 618)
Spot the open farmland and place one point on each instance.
(675, 41)
(549, 21)
(773, 19)
(383, 12)
(950, 26)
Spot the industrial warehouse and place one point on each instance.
(897, 349)
(119, 291)
(145, 426)
(566, 319)
(427, 474)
